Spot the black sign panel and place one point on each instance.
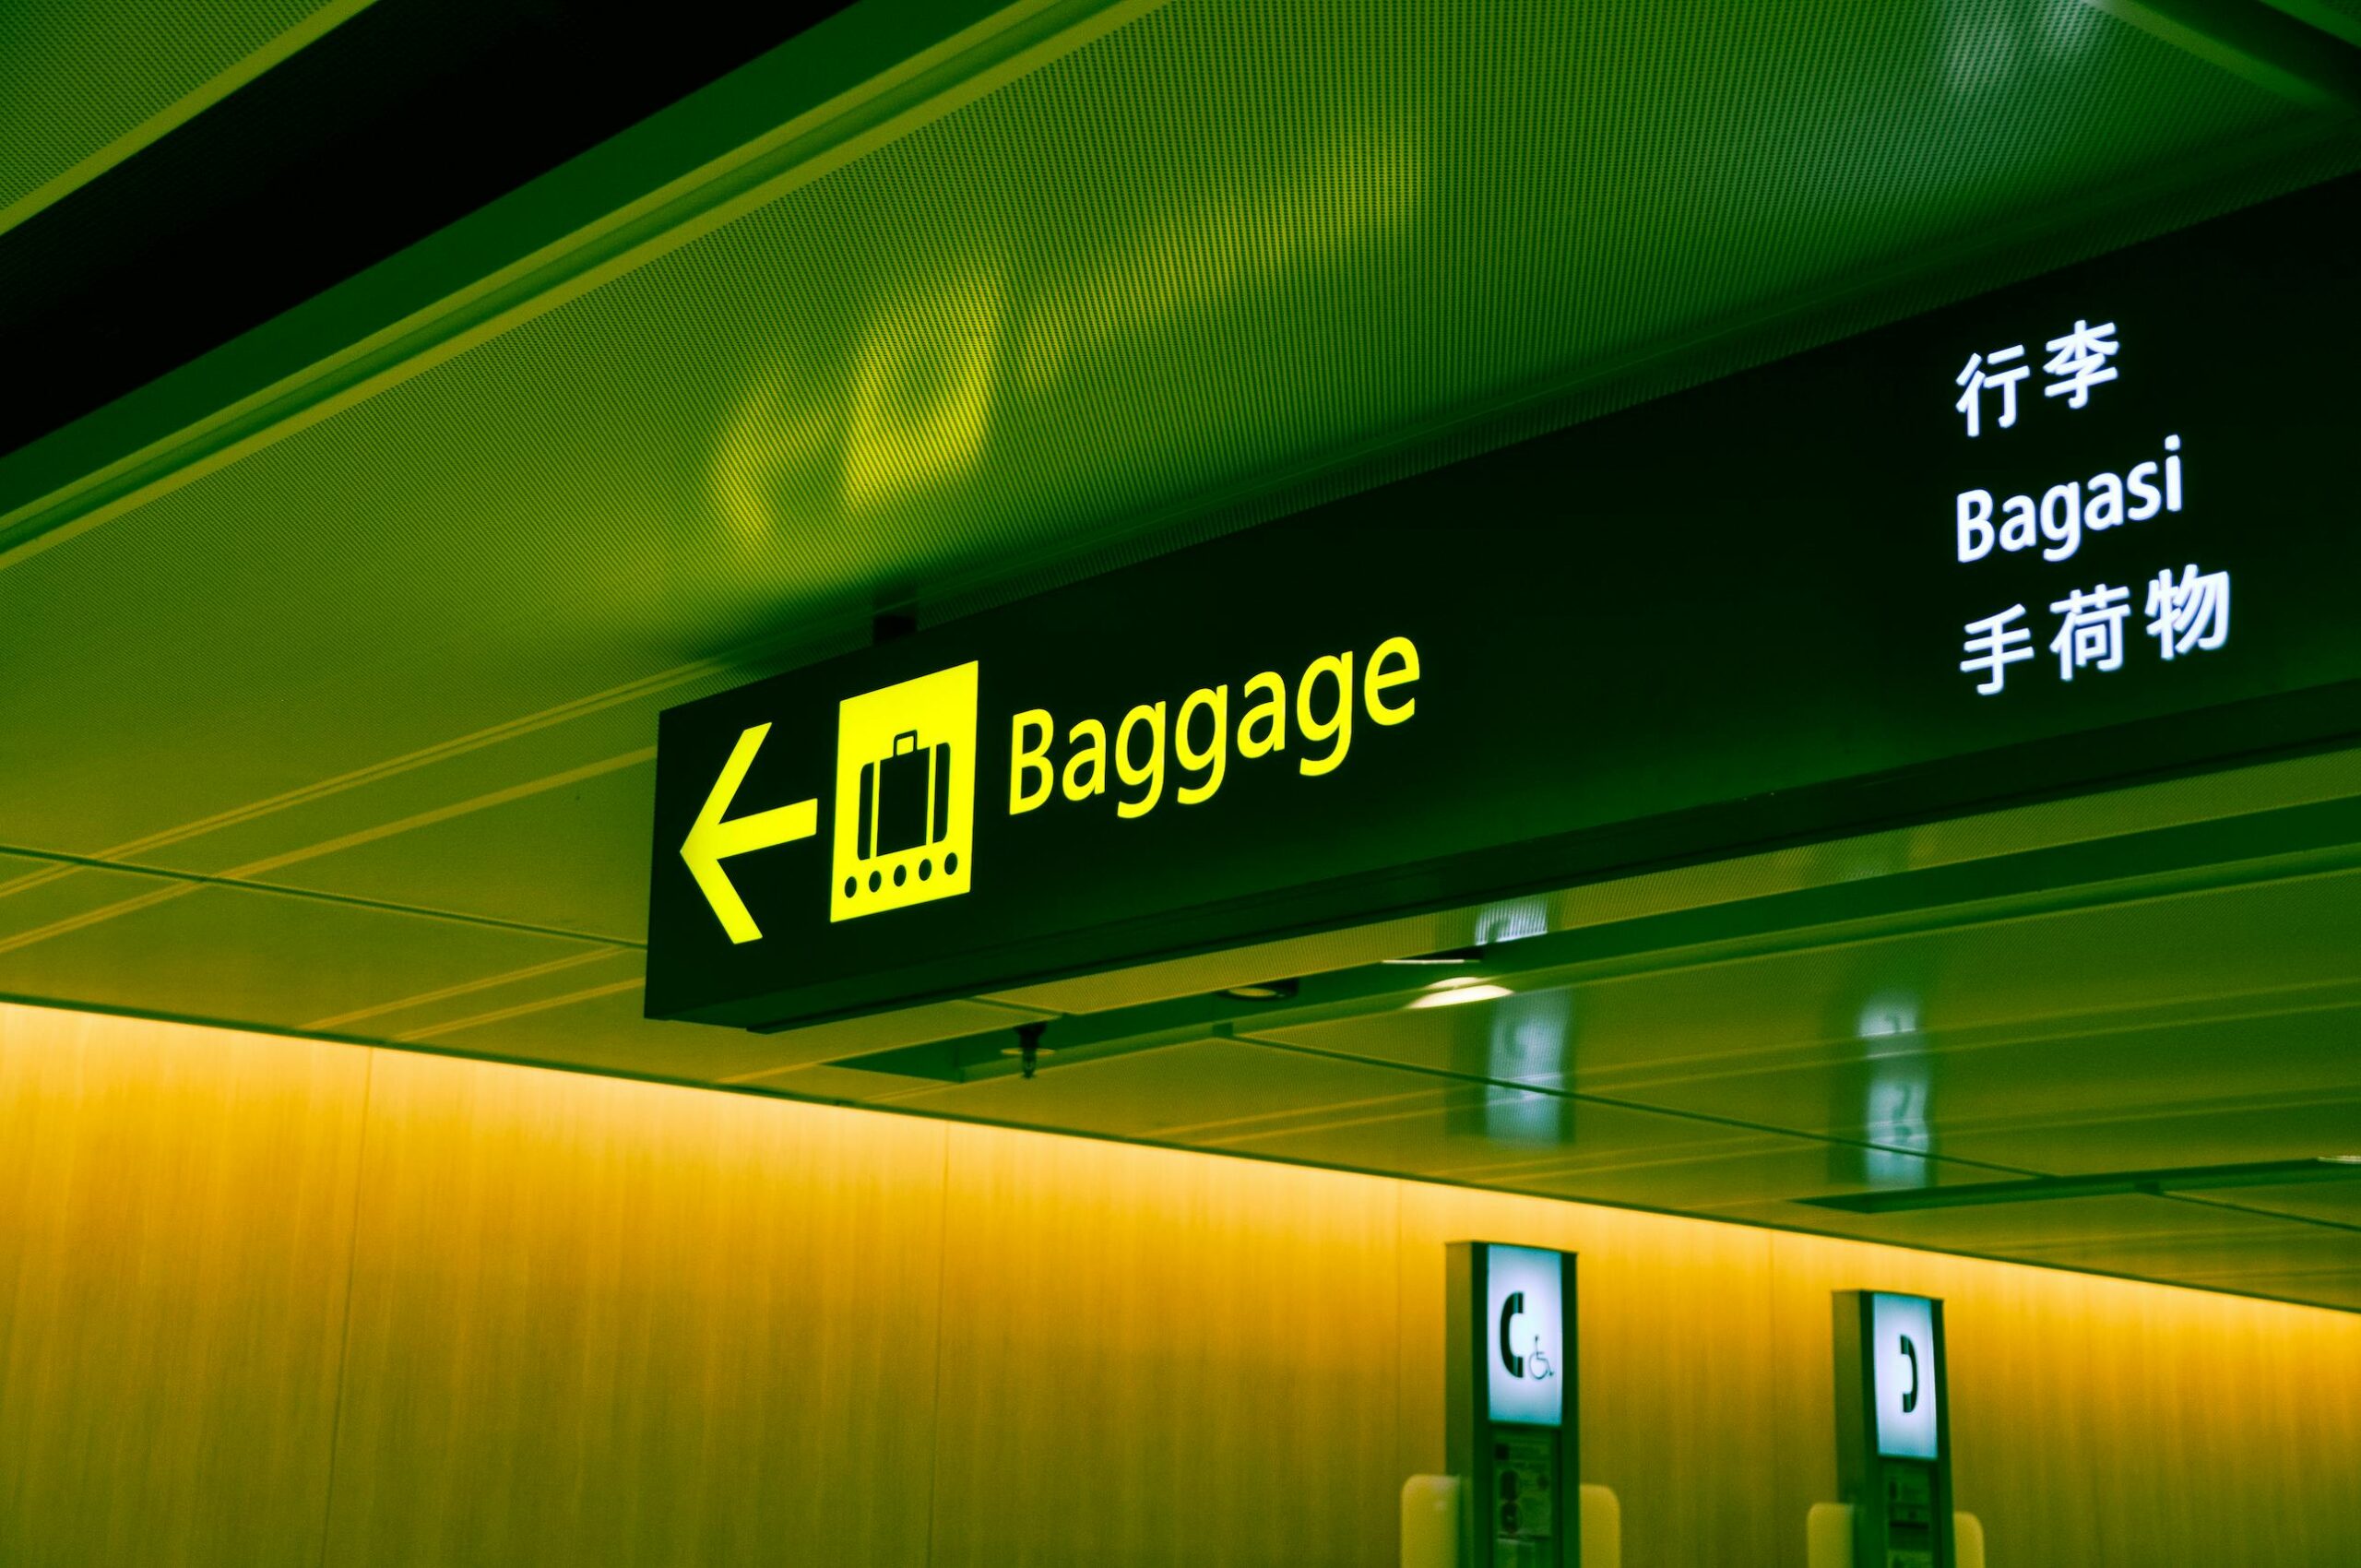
(2081, 528)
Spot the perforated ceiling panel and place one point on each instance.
(1226, 242)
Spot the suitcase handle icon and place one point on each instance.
(905, 797)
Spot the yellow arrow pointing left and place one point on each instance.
(712, 840)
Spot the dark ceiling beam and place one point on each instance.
(404, 119)
(199, 98)
(2298, 49)
(865, 75)
(2323, 15)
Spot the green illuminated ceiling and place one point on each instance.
(349, 728)
(1221, 246)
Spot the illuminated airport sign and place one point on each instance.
(2088, 527)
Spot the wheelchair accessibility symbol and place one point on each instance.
(1534, 1364)
(906, 795)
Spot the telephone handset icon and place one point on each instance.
(1910, 1396)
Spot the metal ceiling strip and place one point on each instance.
(155, 126)
(2307, 61)
(2105, 1183)
(2294, 842)
(241, 876)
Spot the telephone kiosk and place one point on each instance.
(1893, 1430)
(1510, 1390)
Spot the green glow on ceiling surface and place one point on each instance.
(1226, 242)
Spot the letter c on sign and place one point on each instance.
(1512, 1310)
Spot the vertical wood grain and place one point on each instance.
(2103, 1423)
(1152, 1358)
(175, 1214)
(600, 1322)
(605, 1324)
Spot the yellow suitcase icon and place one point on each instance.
(906, 794)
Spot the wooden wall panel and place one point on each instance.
(601, 1324)
(1152, 1358)
(2105, 1423)
(175, 1214)
(605, 1325)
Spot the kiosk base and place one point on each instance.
(1828, 1537)
(1430, 1524)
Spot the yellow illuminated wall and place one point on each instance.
(271, 1301)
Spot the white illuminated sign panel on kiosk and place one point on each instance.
(1526, 1315)
(1902, 1330)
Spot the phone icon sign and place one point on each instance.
(1906, 1368)
(1525, 1335)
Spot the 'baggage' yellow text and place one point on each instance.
(1199, 738)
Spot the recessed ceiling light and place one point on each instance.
(1450, 992)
